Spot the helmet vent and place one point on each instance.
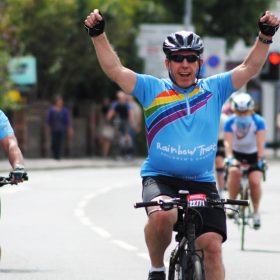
(180, 39)
(171, 40)
(190, 39)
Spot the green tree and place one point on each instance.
(7, 92)
(42, 29)
(230, 19)
(4, 55)
(4, 79)
(52, 31)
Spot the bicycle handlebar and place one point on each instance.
(236, 202)
(146, 204)
(168, 204)
(8, 180)
(239, 165)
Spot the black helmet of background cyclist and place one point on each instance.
(182, 40)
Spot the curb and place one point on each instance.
(51, 164)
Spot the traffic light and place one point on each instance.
(270, 70)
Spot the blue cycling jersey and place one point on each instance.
(182, 125)
(5, 126)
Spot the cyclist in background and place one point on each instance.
(10, 146)
(121, 114)
(182, 115)
(220, 154)
(245, 143)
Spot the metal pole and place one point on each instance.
(276, 112)
(188, 14)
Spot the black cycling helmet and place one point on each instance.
(182, 40)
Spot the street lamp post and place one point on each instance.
(188, 14)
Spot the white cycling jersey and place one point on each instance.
(244, 135)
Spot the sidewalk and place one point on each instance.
(41, 164)
(91, 162)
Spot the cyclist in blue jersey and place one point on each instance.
(220, 154)
(182, 115)
(10, 146)
(245, 142)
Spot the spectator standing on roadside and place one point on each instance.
(105, 128)
(59, 127)
(136, 120)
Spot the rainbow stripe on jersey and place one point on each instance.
(171, 105)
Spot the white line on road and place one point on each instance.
(124, 245)
(143, 256)
(80, 214)
(100, 231)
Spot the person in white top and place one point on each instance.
(220, 154)
(244, 141)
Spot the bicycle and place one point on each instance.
(8, 181)
(122, 142)
(186, 262)
(243, 216)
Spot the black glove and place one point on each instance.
(97, 29)
(18, 174)
(266, 29)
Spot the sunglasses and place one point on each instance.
(245, 113)
(191, 58)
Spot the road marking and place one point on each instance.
(124, 245)
(144, 256)
(100, 231)
(79, 212)
(86, 221)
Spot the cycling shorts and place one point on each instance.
(214, 219)
(251, 159)
(220, 149)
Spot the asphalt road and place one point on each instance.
(81, 224)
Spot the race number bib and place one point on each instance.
(197, 200)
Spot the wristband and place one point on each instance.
(265, 41)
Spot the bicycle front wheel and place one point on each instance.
(245, 212)
(243, 226)
(195, 269)
(187, 268)
(178, 265)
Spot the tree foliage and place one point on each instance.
(52, 31)
(230, 19)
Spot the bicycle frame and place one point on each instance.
(185, 254)
(244, 217)
(187, 263)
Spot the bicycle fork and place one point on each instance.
(182, 259)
